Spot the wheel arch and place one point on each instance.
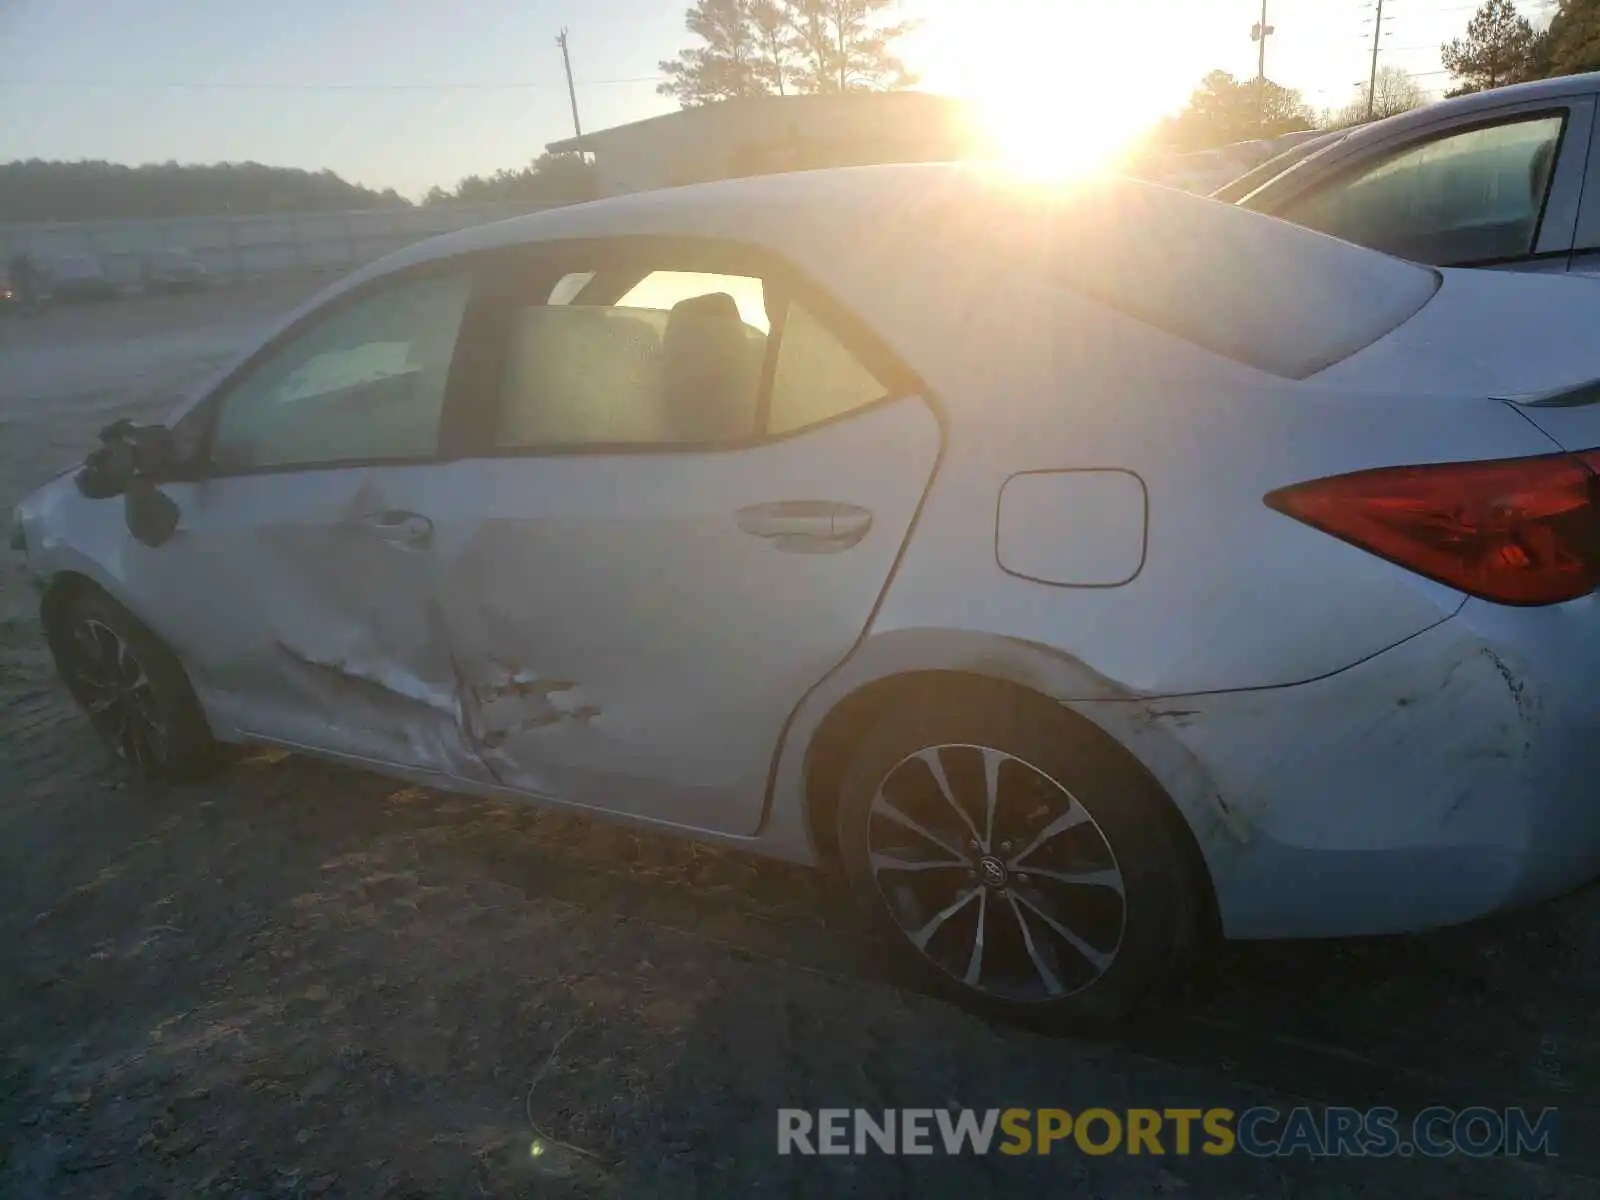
(63, 588)
(840, 730)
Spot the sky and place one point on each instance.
(412, 93)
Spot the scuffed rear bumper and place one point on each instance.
(1453, 775)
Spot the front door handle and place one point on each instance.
(806, 526)
(407, 529)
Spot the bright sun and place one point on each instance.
(1044, 109)
(1036, 137)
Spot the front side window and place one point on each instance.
(1467, 197)
(366, 383)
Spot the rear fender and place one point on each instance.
(1110, 705)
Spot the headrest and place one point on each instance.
(710, 370)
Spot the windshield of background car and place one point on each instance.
(1251, 288)
(1238, 189)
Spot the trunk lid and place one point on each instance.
(1528, 339)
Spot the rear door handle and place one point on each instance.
(398, 527)
(806, 526)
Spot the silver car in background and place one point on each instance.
(1506, 179)
(173, 270)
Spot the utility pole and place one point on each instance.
(572, 92)
(1372, 76)
(1258, 34)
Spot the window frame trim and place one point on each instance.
(1566, 177)
(544, 263)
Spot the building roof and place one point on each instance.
(914, 105)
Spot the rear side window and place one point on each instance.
(1260, 291)
(675, 361)
(817, 378)
(1471, 196)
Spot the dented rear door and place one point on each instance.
(633, 630)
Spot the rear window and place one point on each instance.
(1251, 288)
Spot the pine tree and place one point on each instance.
(764, 47)
(727, 66)
(1497, 50)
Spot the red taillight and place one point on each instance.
(1517, 531)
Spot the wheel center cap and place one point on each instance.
(992, 871)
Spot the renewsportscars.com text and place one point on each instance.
(1259, 1132)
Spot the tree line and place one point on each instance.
(752, 48)
(786, 47)
(37, 190)
(1223, 110)
(550, 180)
(1501, 46)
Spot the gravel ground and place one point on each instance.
(300, 981)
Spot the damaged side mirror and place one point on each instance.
(129, 462)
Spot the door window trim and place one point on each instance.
(1586, 218)
(532, 271)
(1558, 213)
(208, 410)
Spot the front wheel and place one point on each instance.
(134, 690)
(1017, 856)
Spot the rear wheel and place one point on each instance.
(134, 690)
(1017, 856)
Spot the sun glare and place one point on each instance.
(1041, 138)
(1043, 106)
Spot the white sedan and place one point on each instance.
(1084, 574)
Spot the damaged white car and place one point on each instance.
(1082, 573)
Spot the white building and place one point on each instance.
(768, 134)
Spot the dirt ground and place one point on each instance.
(298, 981)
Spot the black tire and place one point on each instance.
(1032, 746)
(134, 690)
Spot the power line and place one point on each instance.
(1372, 79)
(1259, 33)
(231, 86)
(572, 92)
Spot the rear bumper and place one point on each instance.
(1453, 775)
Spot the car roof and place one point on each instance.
(1560, 88)
(732, 209)
(832, 210)
(1419, 120)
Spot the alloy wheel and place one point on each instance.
(996, 873)
(112, 685)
